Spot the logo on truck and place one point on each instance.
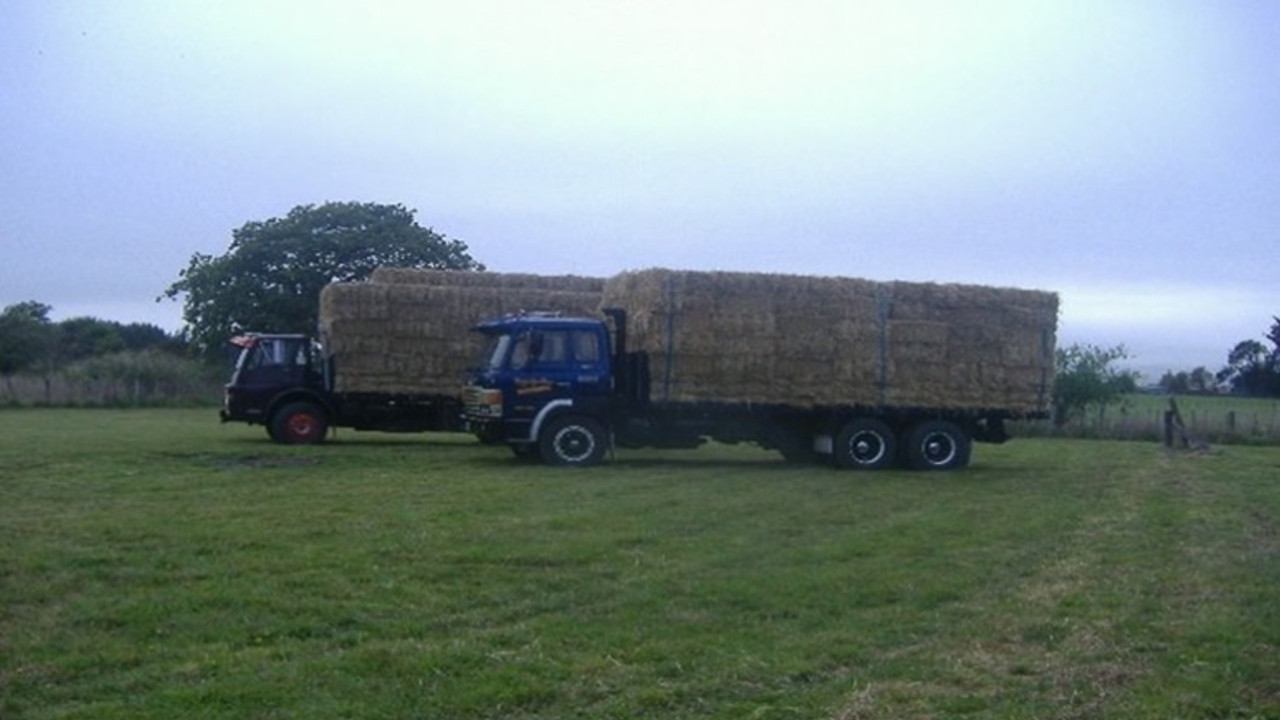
(533, 386)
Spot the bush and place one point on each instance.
(128, 378)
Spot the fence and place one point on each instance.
(1216, 419)
(127, 379)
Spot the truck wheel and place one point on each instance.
(937, 445)
(865, 444)
(572, 440)
(299, 423)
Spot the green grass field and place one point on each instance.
(154, 564)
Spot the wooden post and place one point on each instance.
(1174, 425)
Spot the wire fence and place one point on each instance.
(125, 379)
(1216, 419)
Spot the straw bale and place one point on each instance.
(414, 337)
(413, 276)
(811, 341)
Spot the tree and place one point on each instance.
(1175, 383)
(26, 336)
(1203, 381)
(85, 337)
(1199, 380)
(1251, 368)
(142, 336)
(270, 278)
(1085, 377)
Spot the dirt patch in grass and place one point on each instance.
(264, 461)
(243, 462)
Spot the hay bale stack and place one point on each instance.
(414, 337)
(459, 278)
(820, 341)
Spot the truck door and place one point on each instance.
(564, 365)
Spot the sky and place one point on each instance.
(1125, 155)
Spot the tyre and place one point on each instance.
(937, 445)
(572, 440)
(865, 444)
(300, 423)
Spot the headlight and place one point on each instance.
(483, 402)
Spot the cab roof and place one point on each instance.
(535, 320)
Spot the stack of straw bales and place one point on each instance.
(408, 331)
(823, 341)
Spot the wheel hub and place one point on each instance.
(867, 448)
(573, 444)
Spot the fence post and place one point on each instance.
(1174, 425)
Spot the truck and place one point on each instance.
(286, 383)
(863, 374)
(390, 353)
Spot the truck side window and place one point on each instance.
(586, 348)
(555, 347)
(541, 347)
(545, 347)
(262, 356)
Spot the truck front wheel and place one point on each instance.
(299, 423)
(937, 445)
(572, 441)
(864, 444)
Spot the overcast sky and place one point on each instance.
(1124, 153)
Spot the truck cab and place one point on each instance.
(272, 371)
(544, 385)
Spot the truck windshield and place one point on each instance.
(273, 352)
(495, 351)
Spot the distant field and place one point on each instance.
(155, 564)
(1220, 419)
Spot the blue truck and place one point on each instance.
(568, 390)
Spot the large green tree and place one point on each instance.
(270, 278)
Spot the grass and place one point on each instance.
(156, 565)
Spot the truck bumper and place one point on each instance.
(486, 430)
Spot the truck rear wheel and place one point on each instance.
(937, 445)
(572, 441)
(865, 444)
(300, 423)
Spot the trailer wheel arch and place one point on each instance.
(936, 445)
